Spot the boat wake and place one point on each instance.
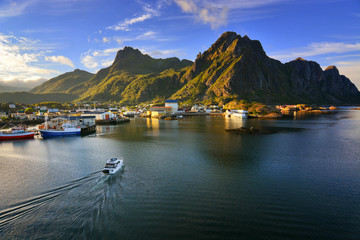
(74, 209)
(19, 210)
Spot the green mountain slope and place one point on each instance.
(134, 78)
(63, 83)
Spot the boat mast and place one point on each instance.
(46, 122)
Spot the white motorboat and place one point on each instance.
(113, 165)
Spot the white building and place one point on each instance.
(100, 115)
(197, 108)
(53, 110)
(83, 120)
(173, 104)
(239, 113)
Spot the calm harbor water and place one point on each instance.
(187, 179)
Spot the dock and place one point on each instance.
(88, 130)
(112, 122)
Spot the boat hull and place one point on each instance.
(13, 136)
(51, 133)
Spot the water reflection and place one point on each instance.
(231, 123)
(153, 125)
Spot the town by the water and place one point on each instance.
(51, 119)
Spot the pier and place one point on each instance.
(88, 130)
(112, 122)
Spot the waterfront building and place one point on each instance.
(173, 103)
(239, 113)
(197, 108)
(160, 111)
(100, 115)
(82, 120)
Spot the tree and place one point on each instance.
(29, 110)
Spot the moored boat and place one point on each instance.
(112, 166)
(16, 133)
(67, 129)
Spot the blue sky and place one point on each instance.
(40, 39)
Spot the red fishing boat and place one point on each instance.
(16, 133)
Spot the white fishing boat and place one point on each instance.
(113, 165)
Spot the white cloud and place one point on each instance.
(148, 13)
(215, 15)
(89, 61)
(146, 35)
(12, 8)
(60, 59)
(106, 39)
(105, 52)
(23, 59)
(118, 40)
(187, 6)
(315, 49)
(157, 53)
(93, 59)
(124, 25)
(215, 12)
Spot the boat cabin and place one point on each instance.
(112, 163)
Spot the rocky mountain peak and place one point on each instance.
(332, 68)
(133, 61)
(232, 42)
(127, 52)
(231, 45)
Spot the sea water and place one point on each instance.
(187, 179)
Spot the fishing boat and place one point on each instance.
(16, 133)
(112, 166)
(66, 129)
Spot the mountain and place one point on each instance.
(133, 61)
(18, 85)
(233, 68)
(63, 83)
(31, 98)
(5, 88)
(134, 78)
(236, 67)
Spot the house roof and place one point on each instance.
(81, 117)
(160, 108)
(171, 101)
(93, 112)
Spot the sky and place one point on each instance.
(41, 39)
